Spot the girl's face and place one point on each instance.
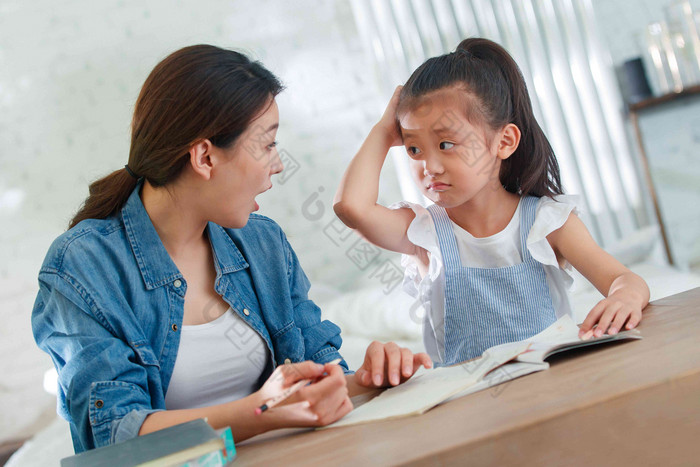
(246, 168)
(452, 161)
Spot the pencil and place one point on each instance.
(287, 392)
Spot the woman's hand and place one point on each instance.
(389, 365)
(611, 314)
(389, 124)
(323, 401)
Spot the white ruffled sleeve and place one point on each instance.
(550, 215)
(421, 233)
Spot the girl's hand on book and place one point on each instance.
(389, 365)
(389, 124)
(610, 315)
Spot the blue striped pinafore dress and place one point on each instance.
(490, 306)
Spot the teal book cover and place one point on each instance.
(219, 458)
(171, 446)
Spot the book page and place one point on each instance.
(500, 375)
(427, 388)
(563, 335)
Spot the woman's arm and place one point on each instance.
(626, 293)
(103, 391)
(318, 404)
(355, 201)
(106, 390)
(239, 415)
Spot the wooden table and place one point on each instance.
(627, 403)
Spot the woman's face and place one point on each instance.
(245, 169)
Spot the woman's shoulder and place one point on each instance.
(91, 238)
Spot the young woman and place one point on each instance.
(168, 300)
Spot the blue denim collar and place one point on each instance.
(227, 256)
(155, 264)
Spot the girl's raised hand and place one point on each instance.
(610, 315)
(389, 365)
(389, 123)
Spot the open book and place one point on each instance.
(497, 365)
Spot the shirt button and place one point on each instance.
(174, 326)
(177, 283)
(287, 361)
(99, 403)
(246, 312)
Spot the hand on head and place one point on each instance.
(389, 365)
(389, 122)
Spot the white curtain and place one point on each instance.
(569, 75)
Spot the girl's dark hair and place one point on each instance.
(499, 97)
(196, 93)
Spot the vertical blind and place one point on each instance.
(569, 75)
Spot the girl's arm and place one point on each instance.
(626, 293)
(355, 201)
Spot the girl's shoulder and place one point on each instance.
(551, 214)
(428, 260)
(423, 221)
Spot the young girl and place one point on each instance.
(488, 259)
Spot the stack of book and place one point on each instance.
(191, 444)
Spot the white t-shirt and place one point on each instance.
(499, 250)
(217, 362)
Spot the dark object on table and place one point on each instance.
(635, 85)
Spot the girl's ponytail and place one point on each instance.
(486, 71)
(532, 168)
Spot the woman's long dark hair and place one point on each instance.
(196, 93)
(488, 73)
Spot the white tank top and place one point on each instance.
(217, 362)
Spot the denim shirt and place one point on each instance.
(110, 305)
